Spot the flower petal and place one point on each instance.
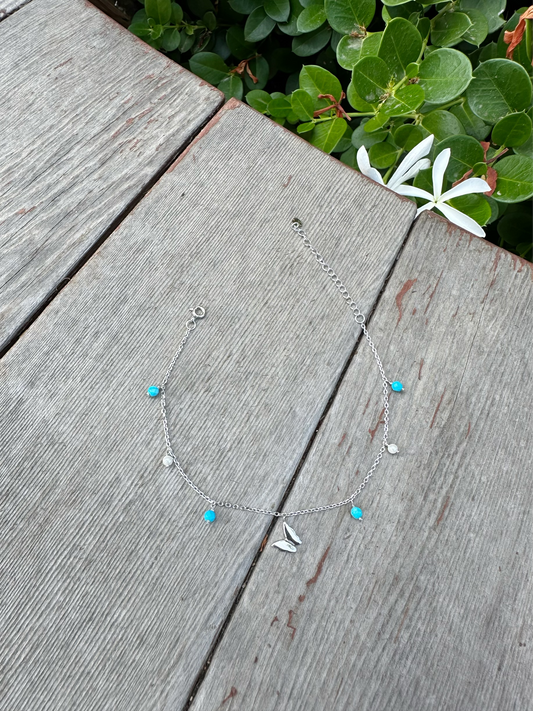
(439, 168)
(427, 206)
(421, 149)
(472, 185)
(365, 168)
(396, 180)
(412, 191)
(459, 218)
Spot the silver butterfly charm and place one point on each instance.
(290, 538)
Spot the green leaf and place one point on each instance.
(349, 157)
(424, 180)
(140, 29)
(447, 29)
(412, 69)
(210, 21)
(383, 155)
(479, 28)
(472, 124)
(407, 136)
(280, 107)
(355, 100)
(492, 10)
(346, 141)
(404, 101)
(208, 66)
(291, 26)
(444, 75)
(258, 100)
(361, 138)
(327, 134)
(306, 127)
(466, 152)
(238, 46)
(278, 10)
(395, 3)
(245, 7)
(171, 39)
(442, 124)
(317, 80)
(347, 16)
(159, 10)
(187, 40)
(177, 13)
(499, 87)
(376, 122)
(140, 16)
(475, 206)
(350, 49)
(232, 87)
(258, 25)
(311, 42)
(512, 130)
(401, 44)
(370, 78)
(260, 69)
(311, 18)
(526, 149)
(515, 179)
(302, 104)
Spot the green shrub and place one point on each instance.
(350, 73)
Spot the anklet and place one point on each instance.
(290, 537)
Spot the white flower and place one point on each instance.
(438, 199)
(408, 168)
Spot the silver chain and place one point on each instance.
(199, 313)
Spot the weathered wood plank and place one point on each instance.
(82, 138)
(9, 6)
(113, 585)
(426, 604)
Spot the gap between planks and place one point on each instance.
(107, 232)
(218, 639)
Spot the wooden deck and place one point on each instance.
(114, 592)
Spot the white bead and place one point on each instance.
(393, 449)
(168, 461)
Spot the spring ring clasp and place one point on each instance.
(197, 312)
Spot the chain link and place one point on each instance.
(199, 313)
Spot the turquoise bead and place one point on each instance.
(153, 391)
(397, 386)
(356, 512)
(210, 515)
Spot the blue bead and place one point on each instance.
(356, 512)
(397, 386)
(153, 391)
(210, 515)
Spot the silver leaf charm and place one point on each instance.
(290, 538)
(285, 546)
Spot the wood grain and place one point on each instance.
(82, 138)
(7, 7)
(426, 603)
(113, 586)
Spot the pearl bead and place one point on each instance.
(356, 512)
(168, 461)
(393, 449)
(397, 386)
(153, 391)
(210, 515)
